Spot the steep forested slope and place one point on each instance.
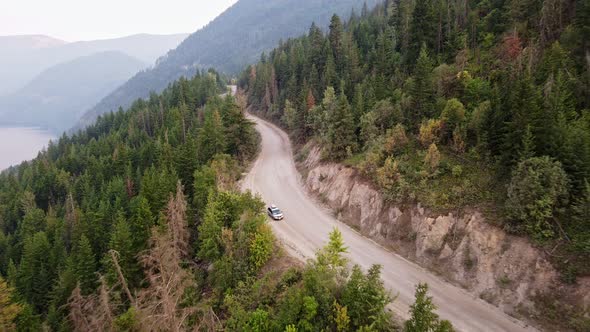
(136, 224)
(452, 104)
(234, 39)
(56, 97)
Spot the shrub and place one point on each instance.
(396, 139)
(430, 132)
(538, 189)
(432, 159)
(452, 116)
(457, 171)
(371, 163)
(261, 247)
(388, 175)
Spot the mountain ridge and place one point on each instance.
(20, 64)
(52, 102)
(225, 48)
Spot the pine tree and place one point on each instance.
(366, 299)
(358, 103)
(528, 145)
(422, 90)
(290, 116)
(34, 281)
(553, 116)
(422, 314)
(211, 140)
(316, 45)
(140, 223)
(352, 296)
(330, 77)
(580, 218)
(122, 243)
(522, 106)
(85, 265)
(342, 136)
(204, 186)
(336, 37)
(422, 29)
(335, 249)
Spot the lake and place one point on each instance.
(20, 144)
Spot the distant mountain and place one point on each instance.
(56, 97)
(25, 43)
(24, 57)
(234, 39)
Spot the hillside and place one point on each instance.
(452, 110)
(53, 100)
(136, 224)
(24, 57)
(234, 39)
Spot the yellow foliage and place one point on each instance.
(432, 159)
(8, 309)
(341, 318)
(388, 175)
(430, 132)
(396, 139)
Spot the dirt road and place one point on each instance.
(307, 225)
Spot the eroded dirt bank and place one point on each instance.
(504, 270)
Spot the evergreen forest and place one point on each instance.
(452, 104)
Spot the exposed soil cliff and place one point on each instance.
(505, 270)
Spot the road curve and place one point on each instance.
(306, 227)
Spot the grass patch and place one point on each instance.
(354, 161)
(504, 281)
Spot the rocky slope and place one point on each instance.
(504, 270)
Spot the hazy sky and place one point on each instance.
(74, 20)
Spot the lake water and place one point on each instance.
(20, 144)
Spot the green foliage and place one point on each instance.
(537, 191)
(581, 215)
(315, 297)
(422, 90)
(204, 186)
(258, 321)
(234, 238)
(261, 247)
(366, 298)
(35, 273)
(122, 244)
(27, 320)
(211, 139)
(333, 253)
(422, 314)
(128, 321)
(290, 116)
(140, 223)
(85, 265)
(341, 131)
(452, 116)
